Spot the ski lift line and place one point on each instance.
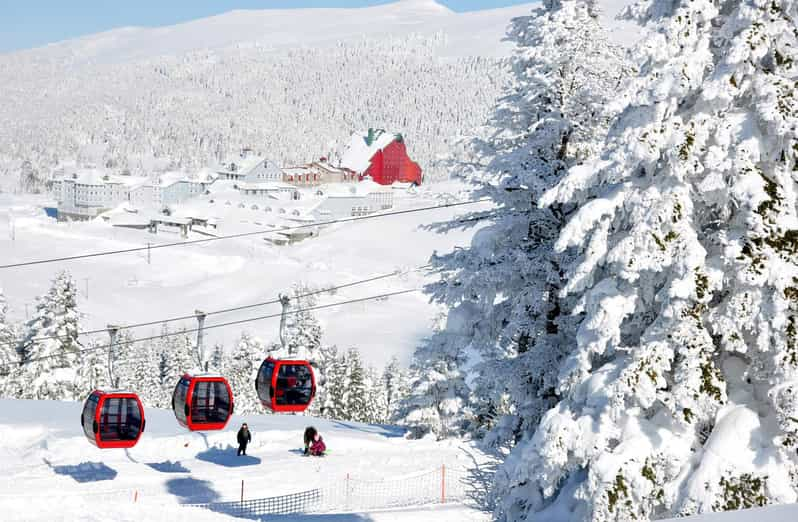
(396, 273)
(264, 303)
(210, 327)
(240, 235)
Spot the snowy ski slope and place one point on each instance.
(50, 471)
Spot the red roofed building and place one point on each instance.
(381, 156)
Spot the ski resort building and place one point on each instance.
(362, 199)
(318, 173)
(85, 193)
(251, 169)
(382, 156)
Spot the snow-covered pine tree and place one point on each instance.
(438, 401)
(218, 359)
(436, 404)
(394, 384)
(50, 365)
(322, 366)
(241, 370)
(175, 353)
(376, 398)
(93, 370)
(8, 357)
(355, 396)
(678, 394)
(303, 330)
(144, 374)
(335, 383)
(503, 336)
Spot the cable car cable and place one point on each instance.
(395, 273)
(254, 305)
(210, 327)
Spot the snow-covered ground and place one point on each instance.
(125, 289)
(784, 513)
(50, 471)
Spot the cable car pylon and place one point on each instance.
(113, 332)
(202, 362)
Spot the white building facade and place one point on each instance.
(88, 192)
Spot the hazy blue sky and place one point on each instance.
(31, 23)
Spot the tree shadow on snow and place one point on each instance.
(478, 483)
(391, 432)
(85, 471)
(192, 491)
(168, 466)
(227, 457)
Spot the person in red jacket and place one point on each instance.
(317, 448)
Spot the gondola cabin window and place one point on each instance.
(121, 419)
(209, 402)
(89, 412)
(294, 385)
(181, 392)
(264, 384)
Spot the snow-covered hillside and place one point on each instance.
(288, 83)
(51, 472)
(472, 33)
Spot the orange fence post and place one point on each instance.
(443, 483)
(135, 496)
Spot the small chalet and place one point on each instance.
(382, 156)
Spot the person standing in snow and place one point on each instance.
(244, 438)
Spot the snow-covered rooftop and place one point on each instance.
(93, 176)
(361, 149)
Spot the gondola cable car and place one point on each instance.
(113, 419)
(202, 402)
(285, 385)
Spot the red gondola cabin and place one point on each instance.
(113, 419)
(203, 402)
(285, 386)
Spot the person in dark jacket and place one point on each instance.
(244, 438)
(310, 433)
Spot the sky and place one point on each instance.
(32, 23)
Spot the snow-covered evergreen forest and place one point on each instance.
(199, 109)
(624, 339)
(44, 359)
